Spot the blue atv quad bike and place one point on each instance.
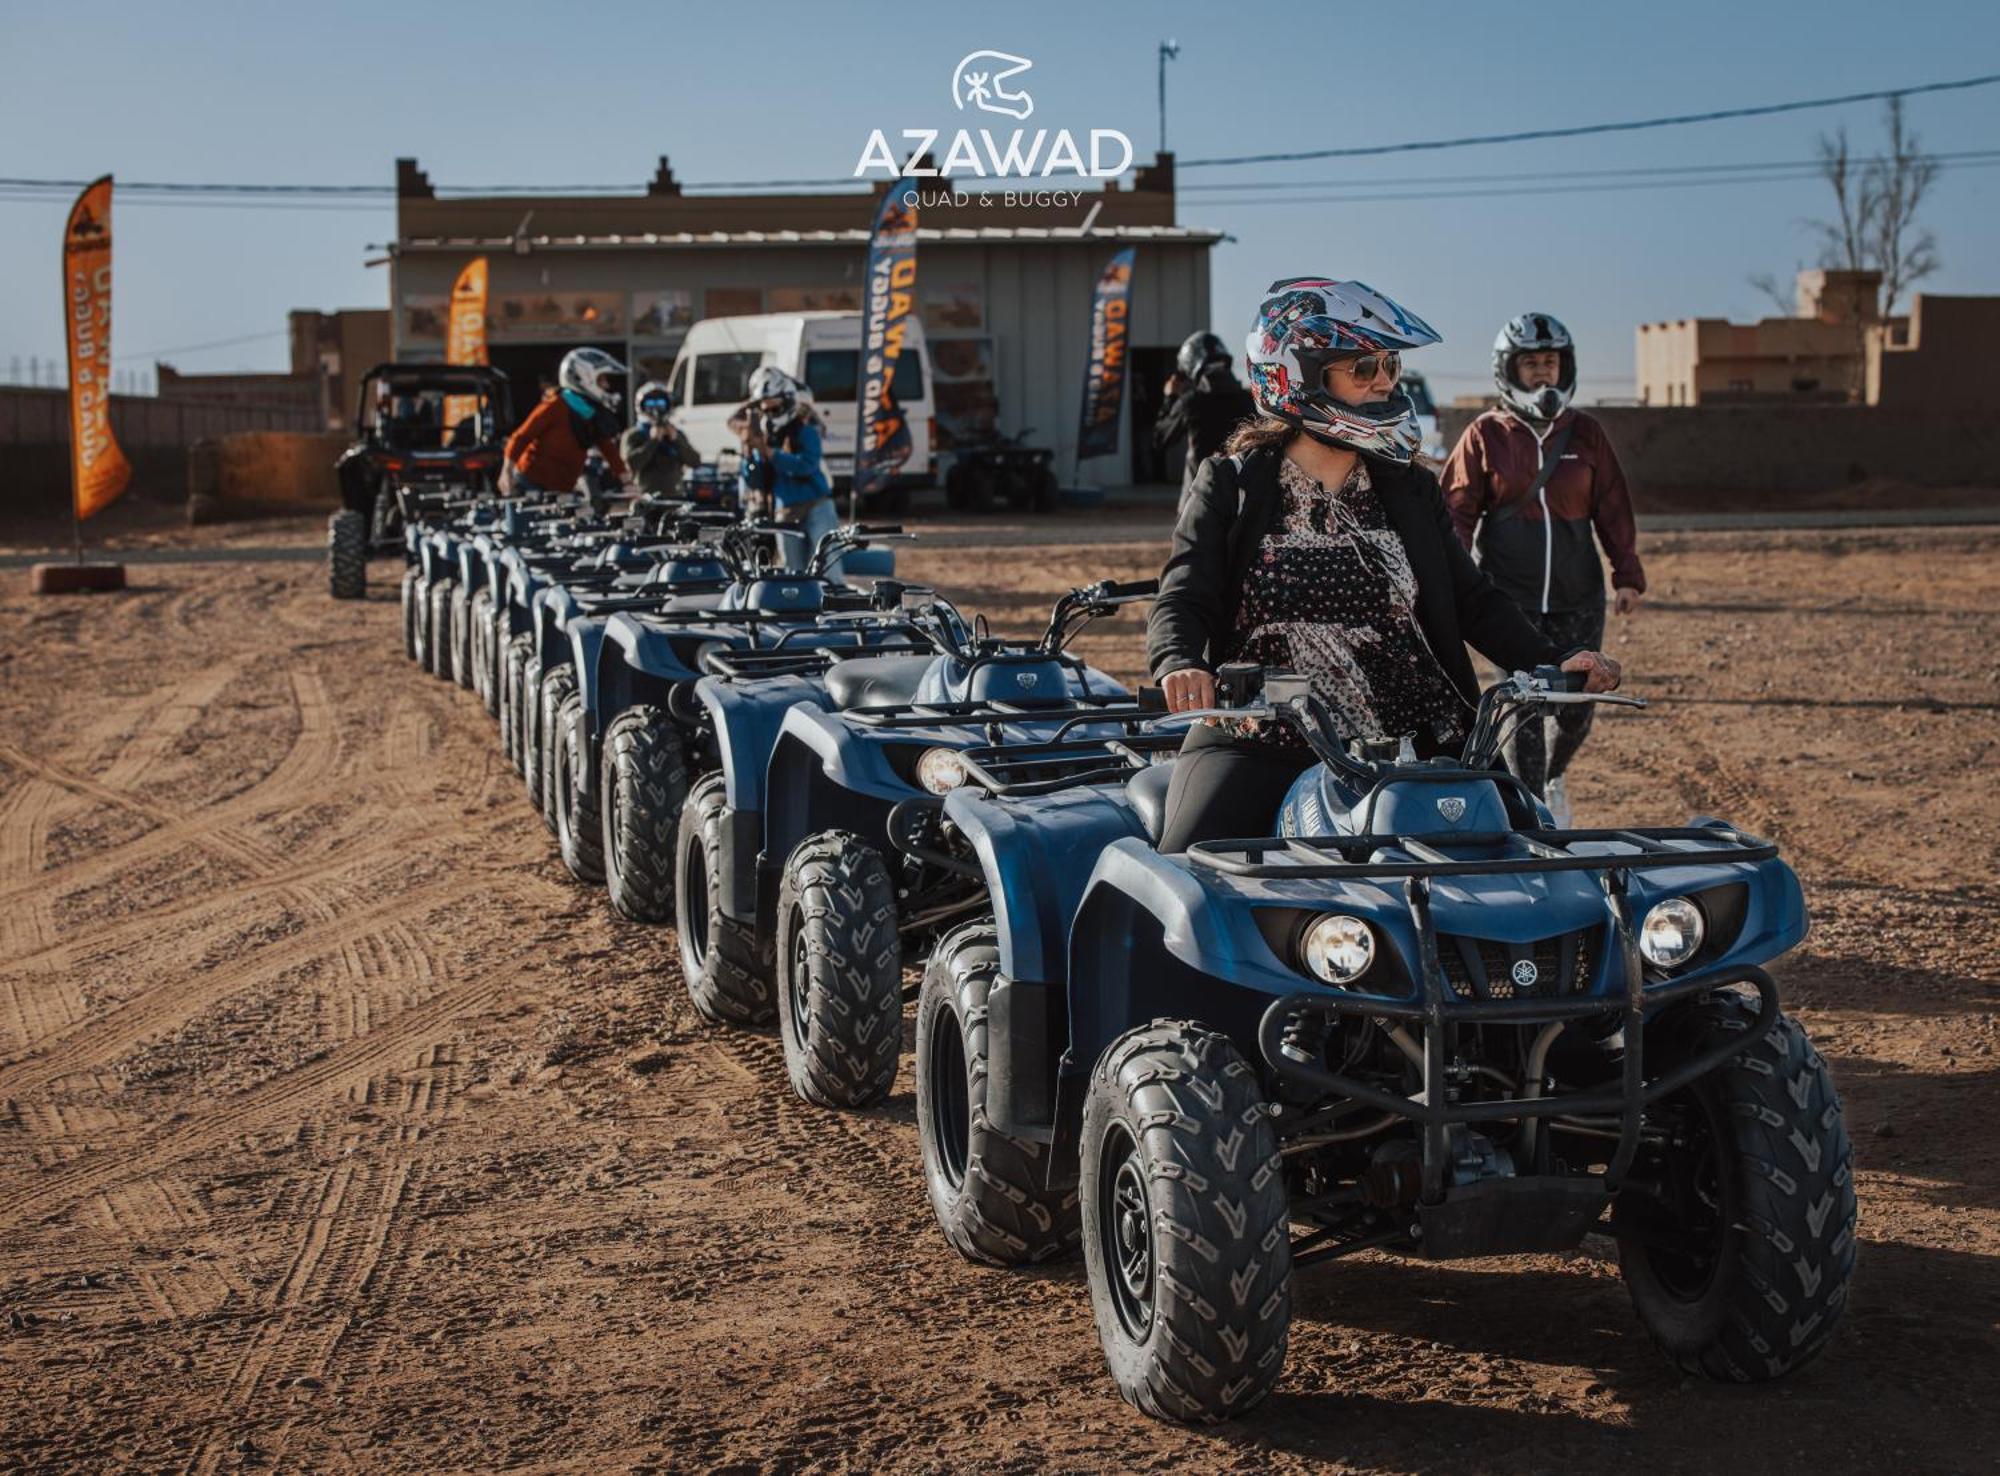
(854, 867)
(1413, 1016)
(618, 729)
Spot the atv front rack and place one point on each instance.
(1307, 857)
(1438, 1009)
(803, 658)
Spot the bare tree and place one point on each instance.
(1843, 241)
(1894, 186)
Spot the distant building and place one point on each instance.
(1004, 289)
(256, 391)
(1939, 358)
(337, 349)
(1818, 355)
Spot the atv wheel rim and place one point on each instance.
(801, 990)
(1125, 1233)
(951, 1099)
(692, 914)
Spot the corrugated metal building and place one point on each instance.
(1005, 289)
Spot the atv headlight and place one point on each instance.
(1338, 948)
(940, 770)
(1671, 933)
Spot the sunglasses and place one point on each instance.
(1367, 368)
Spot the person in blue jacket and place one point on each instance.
(782, 446)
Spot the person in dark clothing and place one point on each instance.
(1316, 545)
(1204, 403)
(1529, 484)
(655, 449)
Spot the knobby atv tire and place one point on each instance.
(987, 1189)
(1185, 1234)
(727, 968)
(347, 555)
(437, 630)
(643, 785)
(412, 601)
(480, 617)
(558, 686)
(840, 971)
(1785, 1177)
(513, 661)
(530, 759)
(578, 822)
(461, 636)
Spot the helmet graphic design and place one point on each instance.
(1533, 333)
(595, 375)
(1304, 325)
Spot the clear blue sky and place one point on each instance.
(504, 93)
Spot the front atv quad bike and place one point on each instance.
(579, 831)
(1411, 1015)
(642, 792)
(841, 1018)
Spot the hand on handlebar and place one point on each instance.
(1188, 689)
(1601, 672)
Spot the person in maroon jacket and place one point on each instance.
(1537, 536)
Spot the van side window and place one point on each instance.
(832, 375)
(723, 378)
(678, 386)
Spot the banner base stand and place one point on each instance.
(52, 579)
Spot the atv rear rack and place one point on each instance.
(1062, 763)
(1070, 712)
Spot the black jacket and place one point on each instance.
(1224, 517)
(1205, 412)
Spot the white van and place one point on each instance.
(711, 378)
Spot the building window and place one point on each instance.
(1741, 386)
(815, 299)
(732, 302)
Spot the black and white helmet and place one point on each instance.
(769, 382)
(654, 402)
(1200, 353)
(1534, 333)
(595, 375)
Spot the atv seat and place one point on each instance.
(1147, 790)
(875, 681)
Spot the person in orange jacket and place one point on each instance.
(547, 451)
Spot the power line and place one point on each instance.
(214, 343)
(1566, 175)
(1634, 125)
(388, 191)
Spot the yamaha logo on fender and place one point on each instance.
(1452, 807)
(1525, 973)
(1027, 679)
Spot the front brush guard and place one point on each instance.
(1436, 1115)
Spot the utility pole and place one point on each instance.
(1169, 50)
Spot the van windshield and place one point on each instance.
(831, 376)
(723, 379)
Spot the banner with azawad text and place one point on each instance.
(1104, 379)
(98, 469)
(882, 441)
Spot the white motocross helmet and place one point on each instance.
(1534, 333)
(595, 375)
(769, 382)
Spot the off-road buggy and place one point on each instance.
(1407, 1014)
(428, 427)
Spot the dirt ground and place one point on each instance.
(339, 1130)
